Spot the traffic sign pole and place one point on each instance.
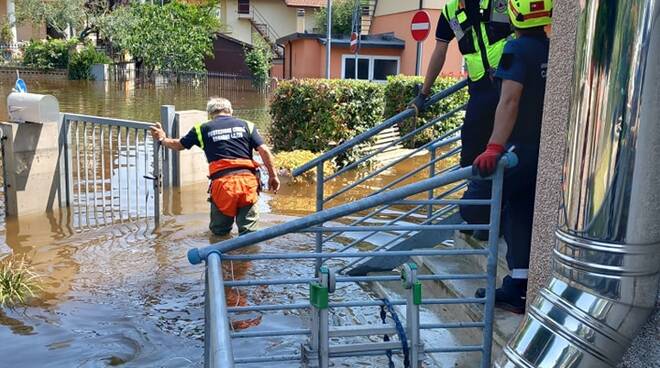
(420, 27)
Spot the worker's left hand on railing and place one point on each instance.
(486, 163)
(273, 183)
(157, 132)
(419, 102)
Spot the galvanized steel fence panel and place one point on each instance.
(112, 170)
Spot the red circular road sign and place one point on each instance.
(420, 26)
(354, 42)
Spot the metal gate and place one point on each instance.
(110, 170)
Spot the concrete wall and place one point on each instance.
(645, 351)
(191, 164)
(30, 167)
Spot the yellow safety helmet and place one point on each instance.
(530, 13)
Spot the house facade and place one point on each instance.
(19, 33)
(271, 19)
(387, 46)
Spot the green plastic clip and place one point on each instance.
(417, 293)
(318, 296)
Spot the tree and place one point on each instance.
(80, 16)
(342, 17)
(259, 60)
(173, 37)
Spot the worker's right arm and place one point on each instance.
(269, 162)
(435, 66)
(158, 134)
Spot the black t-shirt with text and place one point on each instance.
(224, 137)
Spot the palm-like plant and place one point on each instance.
(17, 282)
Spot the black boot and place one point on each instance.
(511, 296)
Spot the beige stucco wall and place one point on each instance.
(399, 23)
(281, 18)
(386, 7)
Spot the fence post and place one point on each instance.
(319, 207)
(65, 163)
(491, 268)
(167, 113)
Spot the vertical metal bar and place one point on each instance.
(121, 215)
(221, 354)
(146, 181)
(78, 182)
(319, 207)
(137, 173)
(328, 46)
(314, 337)
(128, 173)
(86, 159)
(431, 174)
(65, 164)
(157, 182)
(412, 322)
(167, 116)
(102, 148)
(491, 268)
(324, 339)
(112, 171)
(95, 184)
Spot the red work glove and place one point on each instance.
(486, 163)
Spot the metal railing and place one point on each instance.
(375, 178)
(110, 170)
(322, 340)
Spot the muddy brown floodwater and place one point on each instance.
(124, 294)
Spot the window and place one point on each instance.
(243, 6)
(363, 68)
(374, 68)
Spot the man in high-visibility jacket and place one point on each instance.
(228, 143)
(481, 28)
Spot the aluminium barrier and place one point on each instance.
(443, 157)
(110, 170)
(322, 341)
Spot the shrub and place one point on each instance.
(286, 162)
(17, 282)
(47, 55)
(400, 90)
(259, 60)
(81, 62)
(314, 114)
(342, 17)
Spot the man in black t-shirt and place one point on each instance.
(228, 144)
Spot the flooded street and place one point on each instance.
(124, 294)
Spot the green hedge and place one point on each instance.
(48, 55)
(81, 62)
(400, 90)
(314, 114)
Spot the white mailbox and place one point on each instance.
(34, 108)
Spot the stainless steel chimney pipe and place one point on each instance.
(607, 255)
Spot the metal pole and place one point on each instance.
(319, 207)
(157, 182)
(328, 46)
(324, 339)
(491, 268)
(431, 174)
(418, 66)
(221, 354)
(167, 116)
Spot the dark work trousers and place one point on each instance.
(517, 205)
(479, 118)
